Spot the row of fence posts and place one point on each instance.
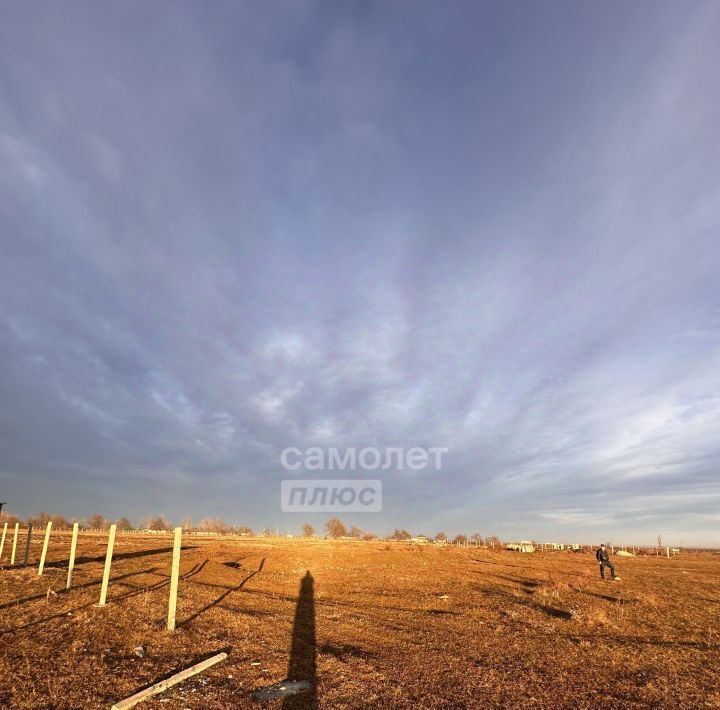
(174, 572)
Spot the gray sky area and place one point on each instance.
(228, 228)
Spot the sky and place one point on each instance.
(229, 228)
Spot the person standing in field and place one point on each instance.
(604, 559)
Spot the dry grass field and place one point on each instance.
(369, 625)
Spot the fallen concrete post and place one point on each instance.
(162, 685)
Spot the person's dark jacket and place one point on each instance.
(602, 555)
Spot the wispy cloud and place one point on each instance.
(267, 226)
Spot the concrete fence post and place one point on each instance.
(174, 578)
(45, 548)
(71, 561)
(14, 545)
(28, 540)
(108, 563)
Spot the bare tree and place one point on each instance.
(98, 522)
(10, 519)
(186, 523)
(39, 521)
(308, 530)
(220, 526)
(400, 535)
(335, 528)
(123, 525)
(157, 522)
(441, 537)
(213, 525)
(59, 522)
(356, 533)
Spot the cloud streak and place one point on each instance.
(232, 230)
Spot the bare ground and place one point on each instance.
(366, 624)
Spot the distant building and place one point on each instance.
(522, 546)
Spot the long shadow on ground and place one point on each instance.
(299, 689)
(303, 649)
(135, 591)
(95, 582)
(226, 593)
(530, 603)
(119, 556)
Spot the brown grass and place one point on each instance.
(515, 630)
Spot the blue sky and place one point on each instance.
(230, 228)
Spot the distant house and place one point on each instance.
(419, 540)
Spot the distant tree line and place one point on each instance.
(334, 527)
(96, 521)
